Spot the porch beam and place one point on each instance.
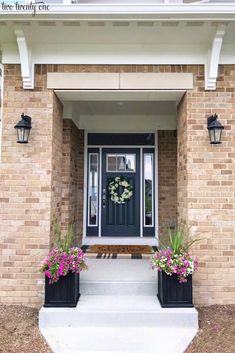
(120, 81)
(212, 65)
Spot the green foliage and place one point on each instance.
(63, 243)
(176, 241)
(179, 242)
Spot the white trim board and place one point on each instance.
(129, 11)
(119, 81)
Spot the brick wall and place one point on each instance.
(182, 158)
(73, 177)
(167, 181)
(31, 180)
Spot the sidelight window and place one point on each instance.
(148, 190)
(93, 189)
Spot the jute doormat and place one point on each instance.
(119, 251)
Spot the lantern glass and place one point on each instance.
(22, 134)
(215, 135)
(218, 133)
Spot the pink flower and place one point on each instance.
(59, 263)
(181, 264)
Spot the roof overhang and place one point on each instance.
(222, 12)
(170, 34)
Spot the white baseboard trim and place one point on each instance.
(120, 241)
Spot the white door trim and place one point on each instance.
(100, 191)
(156, 187)
(141, 192)
(117, 240)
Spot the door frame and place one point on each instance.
(85, 189)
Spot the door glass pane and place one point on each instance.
(111, 163)
(130, 162)
(120, 163)
(93, 190)
(148, 189)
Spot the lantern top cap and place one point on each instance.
(25, 122)
(213, 123)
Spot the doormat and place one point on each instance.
(119, 251)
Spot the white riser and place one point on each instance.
(118, 270)
(118, 277)
(118, 319)
(118, 311)
(118, 288)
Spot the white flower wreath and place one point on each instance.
(113, 189)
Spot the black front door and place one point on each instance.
(120, 219)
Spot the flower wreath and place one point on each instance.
(113, 189)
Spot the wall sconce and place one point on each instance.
(23, 128)
(215, 129)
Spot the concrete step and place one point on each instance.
(118, 288)
(118, 277)
(118, 311)
(118, 339)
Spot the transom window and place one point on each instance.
(121, 163)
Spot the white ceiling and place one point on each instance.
(121, 102)
(125, 108)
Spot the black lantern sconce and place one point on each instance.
(215, 129)
(23, 128)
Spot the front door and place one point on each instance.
(120, 204)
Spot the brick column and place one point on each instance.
(73, 177)
(167, 181)
(30, 186)
(206, 185)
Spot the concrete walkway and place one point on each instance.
(118, 339)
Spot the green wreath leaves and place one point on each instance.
(113, 189)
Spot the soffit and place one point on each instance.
(109, 32)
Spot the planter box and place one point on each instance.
(172, 294)
(64, 293)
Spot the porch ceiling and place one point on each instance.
(120, 95)
(125, 107)
(121, 102)
(112, 110)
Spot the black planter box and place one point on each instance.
(64, 293)
(172, 294)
